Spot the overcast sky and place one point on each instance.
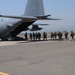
(64, 9)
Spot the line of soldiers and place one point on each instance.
(59, 35)
(56, 35)
(53, 36)
(36, 36)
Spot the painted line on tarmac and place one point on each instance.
(2, 73)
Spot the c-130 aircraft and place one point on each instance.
(34, 11)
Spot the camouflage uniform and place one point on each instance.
(55, 35)
(66, 35)
(72, 35)
(52, 36)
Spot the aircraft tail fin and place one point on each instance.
(34, 8)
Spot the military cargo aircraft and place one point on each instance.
(34, 11)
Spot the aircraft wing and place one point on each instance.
(45, 17)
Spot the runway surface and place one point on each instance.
(37, 58)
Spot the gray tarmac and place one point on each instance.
(37, 58)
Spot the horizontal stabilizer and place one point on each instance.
(43, 17)
(41, 24)
(48, 19)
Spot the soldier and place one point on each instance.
(44, 36)
(72, 35)
(66, 35)
(30, 36)
(60, 35)
(52, 36)
(34, 36)
(26, 36)
(55, 35)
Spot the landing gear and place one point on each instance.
(4, 39)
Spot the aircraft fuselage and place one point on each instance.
(8, 26)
